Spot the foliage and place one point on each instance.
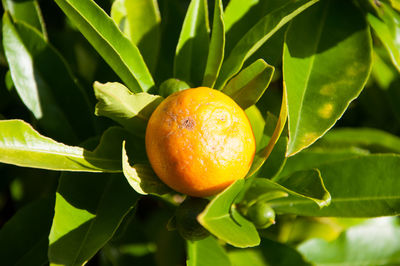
(319, 81)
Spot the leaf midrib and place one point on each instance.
(319, 34)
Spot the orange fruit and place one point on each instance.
(199, 141)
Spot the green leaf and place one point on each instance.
(24, 238)
(206, 252)
(250, 84)
(305, 185)
(141, 177)
(131, 110)
(236, 10)
(326, 71)
(21, 145)
(45, 84)
(97, 203)
(387, 28)
(217, 47)
(100, 30)
(257, 123)
(374, 140)
(223, 220)
(365, 186)
(192, 49)
(140, 21)
(262, 155)
(27, 11)
(257, 36)
(171, 86)
(375, 242)
(268, 253)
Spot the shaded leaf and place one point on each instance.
(24, 238)
(192, 49)
(141, 177)
(21, 145)
(365, 186)
(223, 220)
(217, 47)
(257, 36)
(257, 123)
(206, 252)
(326, 71)
(98, 203)
(375, 242)
(131, 110)
(100, 30)
(250, 84)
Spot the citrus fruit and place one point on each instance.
(199, 141)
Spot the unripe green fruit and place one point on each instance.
(172, 85)
(261, 214)
(186, 219)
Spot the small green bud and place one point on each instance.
(170, 86)
(261, 214)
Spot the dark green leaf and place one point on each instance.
(24, 238)
(21, 145)
(192, 49)
(223, 220)
(131, 110)
(100, 30)
(250, 84)
(365, 186)
(206, 252)
(257, 36)
(375, 242)
(387, 28)
(326, 71)
(97, 203)
(217, 47)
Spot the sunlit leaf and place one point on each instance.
(206, 252)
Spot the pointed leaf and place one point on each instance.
(192, 49)
(97, 203)
(217, 46)
(24, 238)
(375, 242)
(250, 84)
(21, 145)
(262, 155)
(141, 177)
(257, 36)
(326, 71)
(223, 220)
(100, 30)
(387, 28)
(257, 123)
(128, 109)
(365, 186)
(206, 252)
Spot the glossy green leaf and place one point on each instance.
(374, 140)
(326, 71)
(236, 10)
(206, 252)
(101, 31)
(257, 36)
(375, 242)
(305, 185)
(217, 47)
(223, 220)
(97, 203)
(257, 123)
(383, 72)
(171, 86)
(140, 21)
(141, 177)
(387, 28)
(131, 110)
(27, 11)
(47, 94)
(250, 84)
(269, 253)
(21, 145)
(24, 238)
(364, 186)
(262, 155)
(192, 49)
